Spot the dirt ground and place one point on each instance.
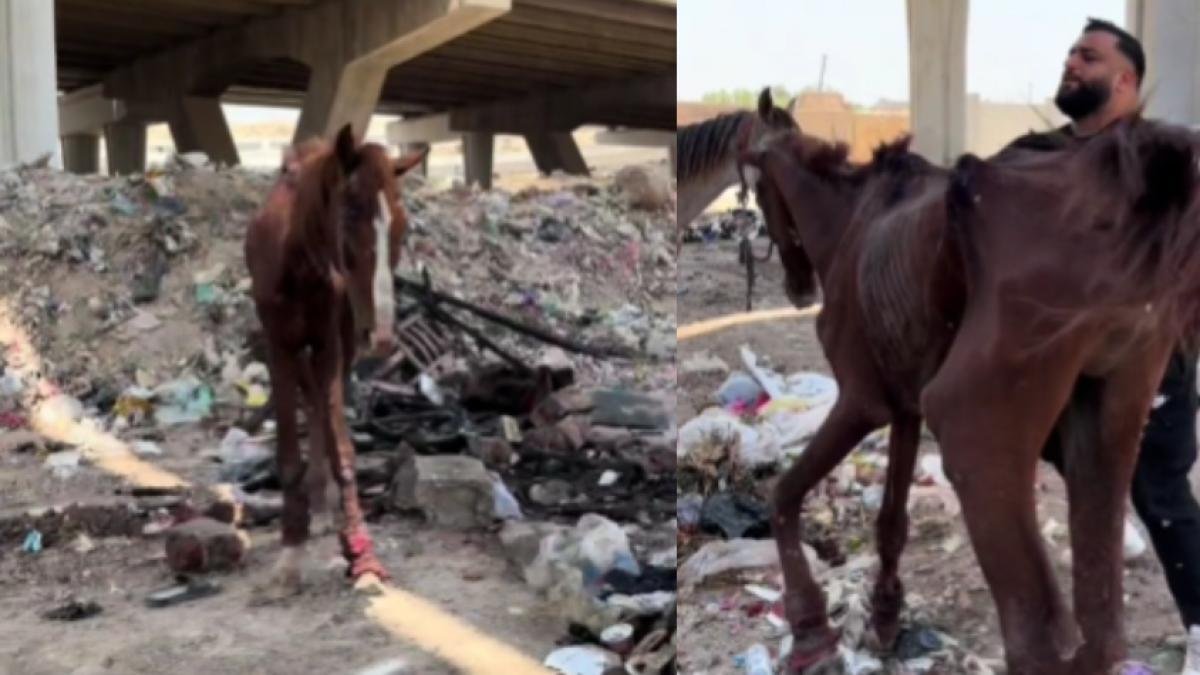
(946, 584)
(463, 574)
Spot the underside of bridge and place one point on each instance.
(464, 69)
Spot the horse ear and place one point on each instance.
(765, 103)
(407, 162)
(347, 152)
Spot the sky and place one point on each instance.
(1015, 48)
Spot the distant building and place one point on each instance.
(827, 115)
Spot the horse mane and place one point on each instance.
(317, 184)
(893, 160)
(1134, 184)
(706, 144)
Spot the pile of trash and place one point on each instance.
(133, 289)
(728, 457)
(533, 393)
(580, 479)
(725, 225)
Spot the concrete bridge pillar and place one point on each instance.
(556, 151)
(478, 147)
(198, 124)
(1170, 35)
(125, 142)
(28, 83)
(937, 68)
(81, 153)
(338, 95)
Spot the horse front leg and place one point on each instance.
(891, 528)
(816, 642)
(356, 543)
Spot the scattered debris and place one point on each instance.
(184, 591)
(74, 610)
(716, 557)
(582, 660)
(33, 542)
(396, 666)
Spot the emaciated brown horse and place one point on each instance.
(321, 254)
(895, 295)
(872, 234)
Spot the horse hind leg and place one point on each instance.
(891, 528)
(815, 646)
(1100, 454)
(286, 576)
(991, 423)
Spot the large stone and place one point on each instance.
(644, 187)
(561, 403)
(618, 408)
(453, 491)
(205, 545)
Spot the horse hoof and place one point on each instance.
(832, 664)
(286, 579)
(288, 574)
(815, 655)
(367, 566)
(881, 639)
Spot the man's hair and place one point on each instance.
(1126, 44)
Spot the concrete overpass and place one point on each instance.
(82, 70)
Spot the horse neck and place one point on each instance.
(820, 215)
(697, 192)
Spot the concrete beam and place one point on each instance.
(640, 138)
(1170, 35)
(937, 67)
(199, 124)
(87, 111)
(478, 151)
(613, 102)
(125, 143)
(345, 88)
(556, 151)
(28, 83)
(339, 95)
(424, 129)
(81, 152)
(380, 33)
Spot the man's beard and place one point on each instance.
(1085, 99)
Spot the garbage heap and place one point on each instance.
(730, 457)
(554, 428)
